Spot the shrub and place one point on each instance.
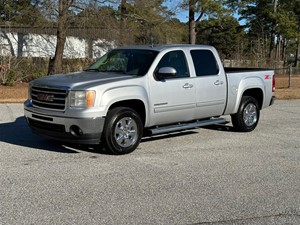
(26, 69)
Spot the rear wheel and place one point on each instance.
(123, 130)
(247, 117)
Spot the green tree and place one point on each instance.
(173, 31)
(147, 21)
(95, 17)
(260, 26)
(63, 12)
(272, 23)
(20, 12)
(225, 34)
(200, 10)
(288, 24)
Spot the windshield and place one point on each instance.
(126, 61)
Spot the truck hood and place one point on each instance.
(83, 79)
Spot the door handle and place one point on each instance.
(187, 86)
(219, 83)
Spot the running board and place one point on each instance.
(185, 126)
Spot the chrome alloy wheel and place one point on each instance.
(126, 132)
(250, 114)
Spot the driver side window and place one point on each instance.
(176, 60)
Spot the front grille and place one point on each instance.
(49, 98)
(46, 126)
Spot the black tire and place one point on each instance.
(123, 130)
(247, 116)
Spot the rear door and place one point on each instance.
(210, 83)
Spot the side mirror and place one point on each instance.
(166, 72)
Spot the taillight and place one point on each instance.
(273, 84)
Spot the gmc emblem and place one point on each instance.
(45, 97)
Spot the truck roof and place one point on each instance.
(165, 46)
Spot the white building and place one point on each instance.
(42, 45)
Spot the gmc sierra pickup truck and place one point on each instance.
(135, 91)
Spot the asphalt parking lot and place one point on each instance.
(202, 176)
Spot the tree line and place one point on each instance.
(266, 30)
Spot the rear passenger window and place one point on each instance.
(205, 63)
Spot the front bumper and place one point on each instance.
(77, 130)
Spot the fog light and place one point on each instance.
(76, 131)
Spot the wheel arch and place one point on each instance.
(256, 93)
(135, 104)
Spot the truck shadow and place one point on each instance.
(220, 127)
(167, 135)
(18, 133)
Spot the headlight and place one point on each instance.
(82, 98)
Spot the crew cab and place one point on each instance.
(135, 91)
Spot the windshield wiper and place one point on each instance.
(97, 70)
(113, 71)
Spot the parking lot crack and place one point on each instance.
(233, 221)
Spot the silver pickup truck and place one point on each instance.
(135, 91)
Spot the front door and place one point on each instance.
(173, 99)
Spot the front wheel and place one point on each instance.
(247, 117)
(123, 130)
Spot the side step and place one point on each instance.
(185, 126)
